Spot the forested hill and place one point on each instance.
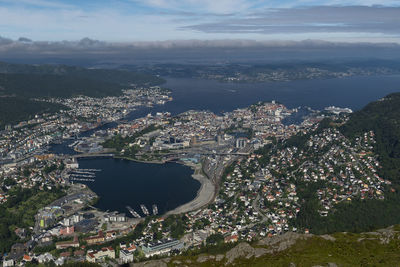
(121, 77)
(382, 117)
(20, 83)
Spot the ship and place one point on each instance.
(145, 210)
(133, 212)
(155, 209)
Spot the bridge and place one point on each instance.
(93, 155)
(89, 155)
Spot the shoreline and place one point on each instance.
(204, 195)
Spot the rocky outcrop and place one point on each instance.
(152, 263)
(328, 237)
(244, 250)
(282, 242)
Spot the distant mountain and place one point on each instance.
(119, 77)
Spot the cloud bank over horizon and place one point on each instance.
(91, 52)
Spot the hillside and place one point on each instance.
(20, 83)
(15, 109)
(379, 248)
(382, 117)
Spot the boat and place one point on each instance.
(144, 209)
(133, 212)
(155, 209)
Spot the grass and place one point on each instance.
(346, 250)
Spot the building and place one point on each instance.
(125, 256)
(67, 230)
(71, 164)
(99, 238)
(231, 239)
(8, 263)
(106, 252)
(66, 244)
(241, 142)
(115, 218)
(161, 247)
(46, 257)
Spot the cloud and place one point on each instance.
(321, 19)
(152, 20)
(202, 6)
(37, 3)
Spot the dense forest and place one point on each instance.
(20, 83)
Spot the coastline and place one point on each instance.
(141, 161)
(204, 196)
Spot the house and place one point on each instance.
(27, 258)
(111, 234)
(46, 257)
(231, 239)
(106, 252)
(8, 263)
(21, 233)
(79, 253)
(125, 256)
(65, 254)
(60, 261)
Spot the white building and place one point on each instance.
(125, 256)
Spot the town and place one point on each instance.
(246, 160)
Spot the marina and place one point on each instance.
(83, 175)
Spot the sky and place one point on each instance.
(160, 20)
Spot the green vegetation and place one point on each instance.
(347, 250)
(20, 83)
(123, 77)
(118, 142)
(382, 117)
(175, 224)
(15, 109)
(355, 216)
(20, 211)
(35, 86)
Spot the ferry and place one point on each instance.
(133, 212)
(145, 210)
(155, 209)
